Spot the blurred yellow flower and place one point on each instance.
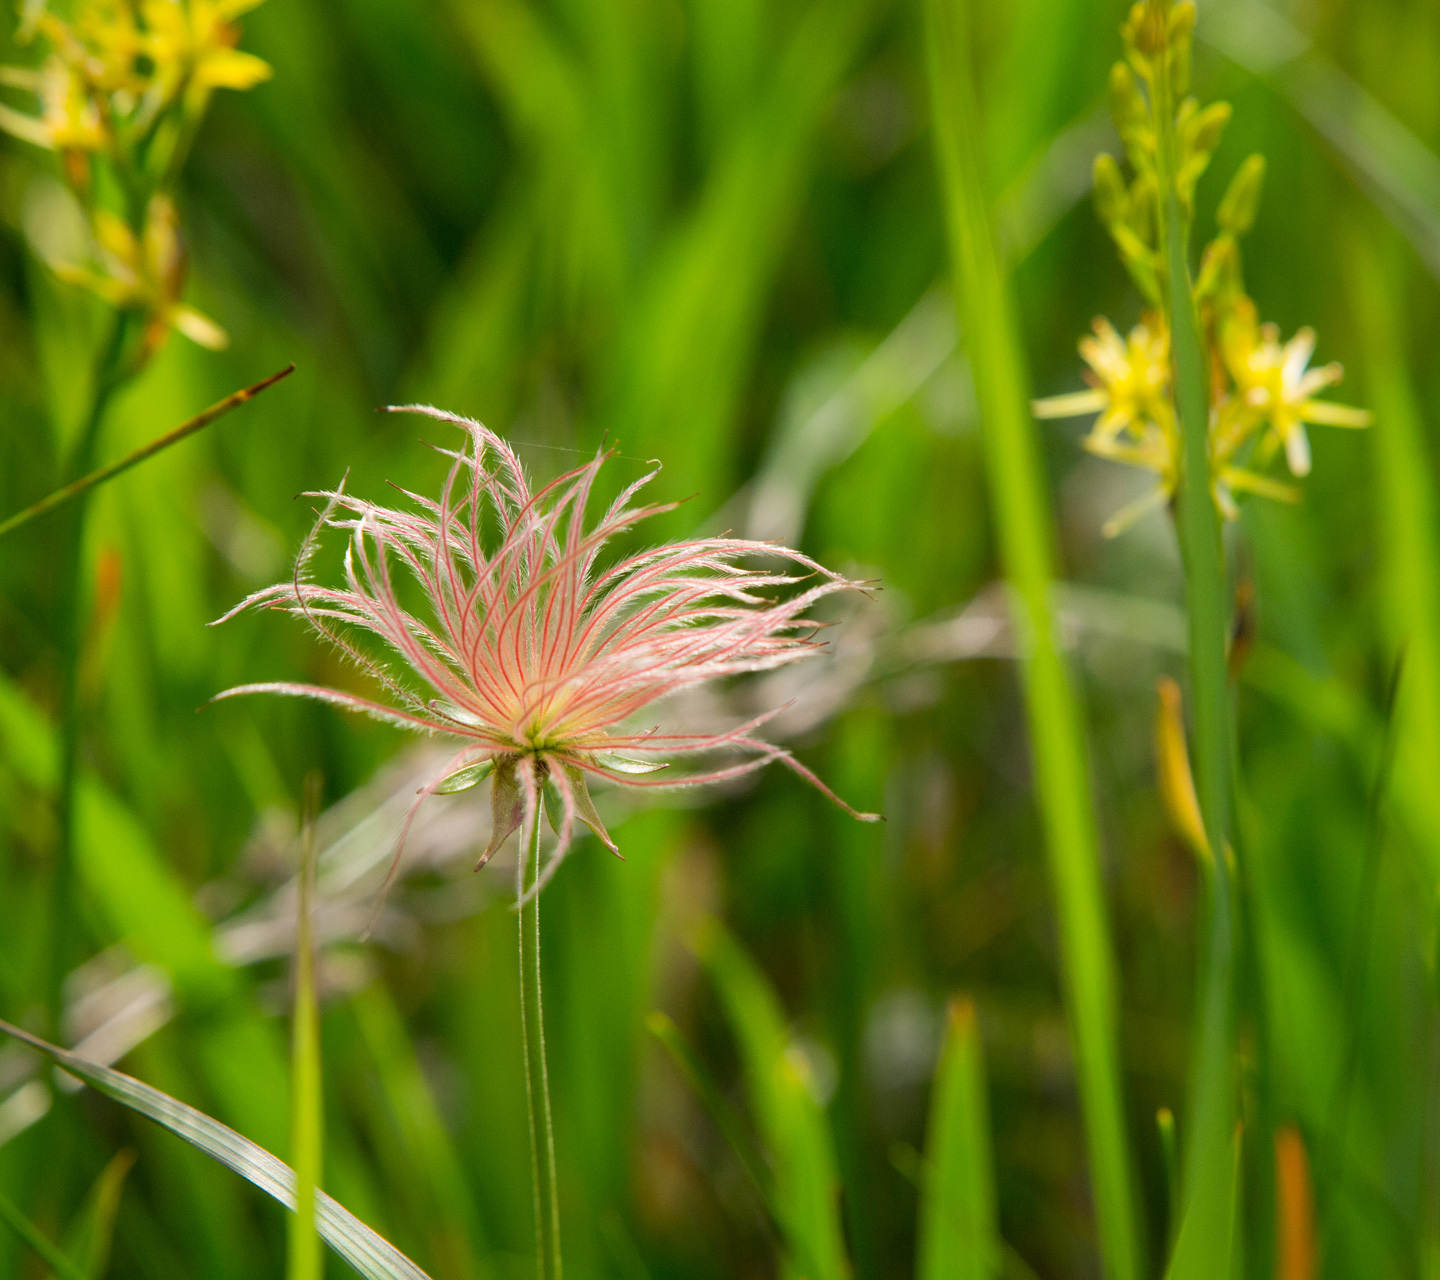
(1129, 379)
(114, 69)
(1137, 426)
(1275, 382)
(69, 118)
(192, 43)
(145, 273)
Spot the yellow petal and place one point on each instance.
(1172, 767)
(199, 328)
(231, 69)
(1070, 405)
(1330, 414)
(27, 128)
(117, 293)
(113, 235)
(1250, 482)
(228, 9)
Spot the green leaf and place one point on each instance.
(369, 1253)
(1026, 535)
(1407, 511)
(91, 1237)
(959, 1239)
(38, 1241)
(791, 1122)
(1205, 1247)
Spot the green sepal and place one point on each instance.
(472, 775)
(507, 806)
(1236, 213)
(585, 806)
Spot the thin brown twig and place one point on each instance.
(197, 423)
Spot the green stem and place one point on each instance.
(537, 1078)
(1201, 548)
(1062, 772)
(110, 373)
(305, 1257)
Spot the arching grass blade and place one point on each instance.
(370, 1254)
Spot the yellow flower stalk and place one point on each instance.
(127, 84)
(117, 92)
(1263, 392)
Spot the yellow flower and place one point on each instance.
(145, 273)
(1283, 389)
(105, 46)
(1137, 426)
(1277, 389)
(193, 44)
(1129, 381)
(69, 118)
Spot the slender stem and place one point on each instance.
(1026, 540)
(305, 1257)
(1201, 549)
(110, 373)
(537, 1078)
(187, 428)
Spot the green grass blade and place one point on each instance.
(726, 1119)
(1025, 535)
(790, 1119)
(371, 1255)
(90, 1239)
(959, 1239)
(440, 1201)
(1408, 511)
(38, 1241)
(305, 1260)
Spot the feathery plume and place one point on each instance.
(534, 651)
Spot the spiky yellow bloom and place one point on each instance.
(1128, 380)
(1275, 381)
(1137, 424)
(193, 44)
(1262, 391)
(69, 119)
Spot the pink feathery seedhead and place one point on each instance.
(535, 654)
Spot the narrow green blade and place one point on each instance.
(39, 1242)
(370, 1254)
(790, 1118)
(959, 1239)
(1026, 539)
(306, 1262)
(90, 1238)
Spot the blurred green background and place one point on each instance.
(709, 231)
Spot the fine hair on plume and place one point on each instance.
(536, 652)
